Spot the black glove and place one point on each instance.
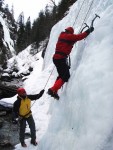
(91, 29)
(41, 92)
(14, 121)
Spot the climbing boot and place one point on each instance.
(50, 92)
(56, 96)
(23, 144)
(53, 94)
(34, 143)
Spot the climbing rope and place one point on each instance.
(73, 25)
(82, 22)
(78, 13)
(86, 15)
(80, 30)
(49, 77)
(45, 84)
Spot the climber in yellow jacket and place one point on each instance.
(22, 110)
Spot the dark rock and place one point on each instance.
(5, 77)
(26, 74)
(5, 143)
(30, 69)
(7, 91)
(5, 109)
(9, 133)
(1, 123)
(24, 79)
(3, 113)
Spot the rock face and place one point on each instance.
(3, 113)
(5, 144)
(7, 91)
(7, 133)
(1, 123)
(8, 87)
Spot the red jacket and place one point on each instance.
(65, 43)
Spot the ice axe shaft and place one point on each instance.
(96, 16)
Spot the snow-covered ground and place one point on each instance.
(83, 117)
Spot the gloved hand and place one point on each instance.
(41, 92)
(91, 29)
(15, 121)
(20, 118)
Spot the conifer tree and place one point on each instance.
(1, 3)
(28, 32)
(12, 11)
(40, 28)
(21, 32)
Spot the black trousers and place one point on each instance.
(62, 69)
(31, 124)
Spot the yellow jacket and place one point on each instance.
(25, 107)
(22, 107)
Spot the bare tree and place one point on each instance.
(53, 2)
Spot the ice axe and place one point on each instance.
(92, 22)
(96, 16)
(86, 26)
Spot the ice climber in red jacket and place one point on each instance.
(64, 45)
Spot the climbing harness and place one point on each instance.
(68, 59)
